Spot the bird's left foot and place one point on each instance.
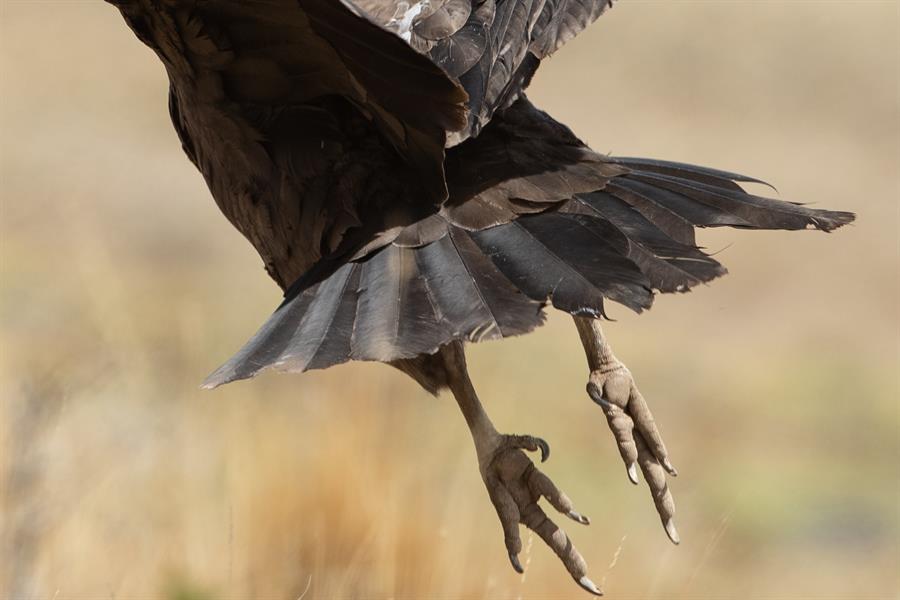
(640, 444)
(515, 485)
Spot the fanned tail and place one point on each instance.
(398, 303)
(623, 242)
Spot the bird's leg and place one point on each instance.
(612, 387)
(513, 483)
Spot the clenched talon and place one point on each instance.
(515, 485)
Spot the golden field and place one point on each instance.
(776, 388)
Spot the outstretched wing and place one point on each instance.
(492, 47)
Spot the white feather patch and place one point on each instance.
(403, 18)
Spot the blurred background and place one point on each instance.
(776, 388)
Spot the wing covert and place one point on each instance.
(492, 47)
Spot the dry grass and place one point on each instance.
(777, 387)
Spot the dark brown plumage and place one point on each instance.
(531, 211)
(384, 161)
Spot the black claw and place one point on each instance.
(545, 449)
(515, 563)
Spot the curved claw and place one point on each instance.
(632, 473)
(532, 443)
(515, 563)
(667, 465)
(596, 394)
(589, 586)
(545, 449)
(672, 532)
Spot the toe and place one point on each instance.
(622, 427)
(535, 519)
(646, 425)
(655, 475)
(508, 512)
(541, 485)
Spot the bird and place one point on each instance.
(384, 160)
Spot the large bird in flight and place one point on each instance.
(384, 161)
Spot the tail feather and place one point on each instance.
(395, 310)
(711, 198)
(757, 212)
(398, 303)
(716, 177)
(633, 236)
(279, 331)
(298, 331)
(666, 218)
(697, 214)
(322, 318)
(323, 338)
(670, 266)
(474, 299)
(573, 260)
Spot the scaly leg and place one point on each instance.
(612, 387)
(514, 484)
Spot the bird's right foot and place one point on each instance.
(640, 444)
(630, 420)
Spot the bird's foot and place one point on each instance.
(640, 444)
(515, 485)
